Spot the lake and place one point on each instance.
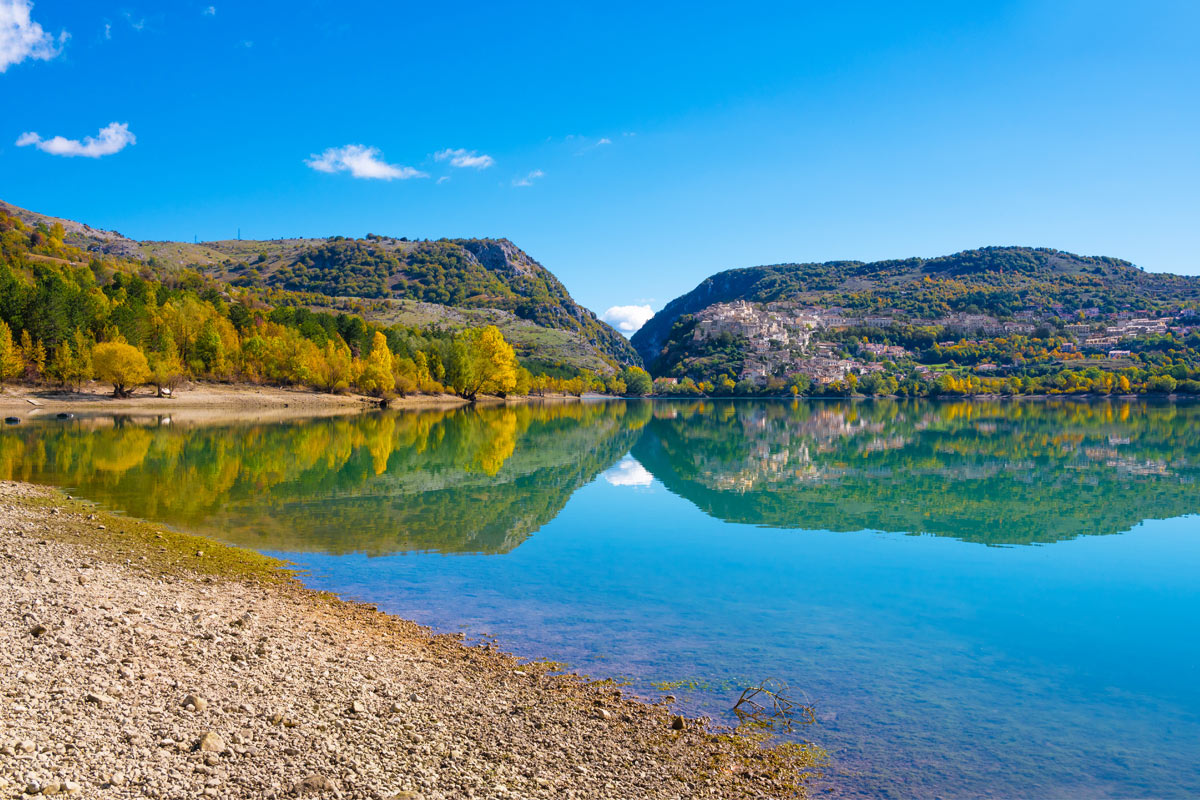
(977, 599)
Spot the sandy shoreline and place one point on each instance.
(140, 662)
(203, 399)
(211, 402)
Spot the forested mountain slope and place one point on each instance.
(455, 273)
(997, 281)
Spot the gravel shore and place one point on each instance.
(202, 401)
(139, 662)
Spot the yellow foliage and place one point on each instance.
(488, 364)
(376, 376)
(120, 364)
(11, 362)
(331, 369)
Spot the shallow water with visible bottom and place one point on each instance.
(977, 599)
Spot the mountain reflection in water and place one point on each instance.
(939, 668)
(482, 480)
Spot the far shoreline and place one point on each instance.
(202, 401)
(212, 402)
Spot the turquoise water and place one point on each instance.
(979, 600)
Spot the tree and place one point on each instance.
(615, 386)
(332, 369)
(482, 362)
(59, 368)
(34, 354)
(637, 381)
(72, 365)
(799, 383)
(210, 350)
(11, 363)
(524, 382)
(376, 377)
(120, 364)
(1162, 383)
(405, 372)
(185, 319)
(166, 368)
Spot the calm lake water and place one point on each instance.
(979, 599)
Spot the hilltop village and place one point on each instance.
(830, 346)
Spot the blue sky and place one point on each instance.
(632, 150)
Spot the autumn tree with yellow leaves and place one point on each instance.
(482, 362)
(11, 362)
(122, 365)
(376, 376)
(332, 369)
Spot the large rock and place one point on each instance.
(315, 784)
(211, 743)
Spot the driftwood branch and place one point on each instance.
(767, 706)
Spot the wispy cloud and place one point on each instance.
(529, 178)
(627, 319)
(211, 11)
(361, 162)
(465, 158)
(443, 179)
(113, 138)
(137, 24)
(586, 144)
(22, 38)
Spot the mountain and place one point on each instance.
(390, 278)
(448, 481)
(984, 287)
(997, 473)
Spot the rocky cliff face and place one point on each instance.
(547, 300)
(501, 256)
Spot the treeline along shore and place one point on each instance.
(69, 316)
(78, 306)
(136, 661)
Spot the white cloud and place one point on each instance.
(628, 472)
(22, 38)
(627, 319)
(211, 11)
(586, 144)
(361, 162)
(108, 30)
(529, 178)
(443, 179)
(465, 158)
(113, 138)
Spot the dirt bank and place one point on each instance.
(205, 402)
(139, 662)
